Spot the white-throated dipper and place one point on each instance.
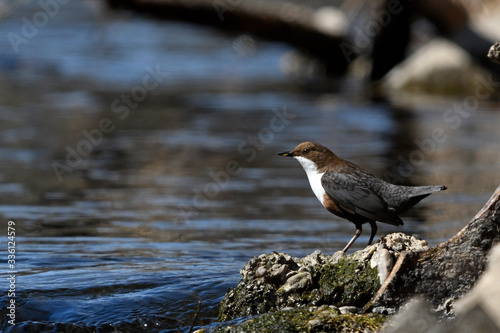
(353, 193)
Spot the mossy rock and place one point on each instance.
(352, 323)
(349, 282)
(247, 300)
(344, 281)
(276, 285)
(317, 320)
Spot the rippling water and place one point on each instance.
(128, 212)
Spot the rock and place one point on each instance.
(389, 250)
(297, 282)
(416, 317)
(277, 281)
(383, 261)
(330, 20)
(483, 298)
(349, 282)
(272, 268)
(312, 323)
(261, 272)
(398, 242)
(348, 309)
(494, 53)
(313, 319)
(413, 317)
(313, 262)
(438, 67)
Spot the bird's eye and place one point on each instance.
(305, 150)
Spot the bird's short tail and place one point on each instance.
(415, 194)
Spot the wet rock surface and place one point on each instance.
(311, 319)
(277, 281)
(494, 53)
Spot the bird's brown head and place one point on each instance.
(312, 151)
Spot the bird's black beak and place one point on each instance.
(286, 153)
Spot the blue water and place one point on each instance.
(164, 209)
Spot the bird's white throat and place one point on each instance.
(314, 176)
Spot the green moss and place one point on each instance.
(281, 321)
(349, 282)
(247, 300)
(318, 320)
(289, 321)
(351, 323)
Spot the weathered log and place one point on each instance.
(446, 272)
(296, 25)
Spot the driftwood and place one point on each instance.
(293, 24)
(446, 272)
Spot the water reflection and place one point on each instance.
(145, 219)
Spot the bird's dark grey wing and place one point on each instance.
(356, 196)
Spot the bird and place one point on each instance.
(350, 192)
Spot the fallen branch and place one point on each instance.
(195, 316)
(296, 25)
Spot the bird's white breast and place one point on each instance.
(314, 177)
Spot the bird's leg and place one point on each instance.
(359, 229)
(373, 224)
